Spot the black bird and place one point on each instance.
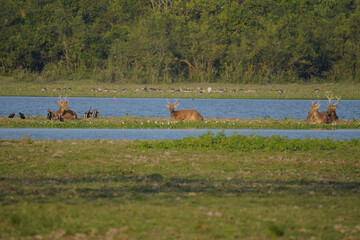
(12, 115)
(95, 113)
(88, 113)
(50, 115)
(22, 116)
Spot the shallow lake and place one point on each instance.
(159, 134)
(155, 107)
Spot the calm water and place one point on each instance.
(155, 107)
(159, 134)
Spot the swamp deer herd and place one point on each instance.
(329, 116)
(64, 113)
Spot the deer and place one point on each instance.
(315, 115)
(180, 115)
(332, 116)
(64, 111)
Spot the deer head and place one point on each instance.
(63, 104)
(171, 107)
(314, 108)
(315, 115)
(331, 109)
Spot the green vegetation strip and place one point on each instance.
(167, 123)
(92, 88)
(211, 187)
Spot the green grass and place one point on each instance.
(211, 187)
(91, 88)
(167, 123)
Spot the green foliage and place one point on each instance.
(241, 143)
(174, 41)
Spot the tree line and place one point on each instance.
(167, 41)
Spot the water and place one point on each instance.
(159, 134)
(155, 107)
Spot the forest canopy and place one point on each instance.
(167, 41)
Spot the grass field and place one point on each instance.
(81, 88)
(211, 187)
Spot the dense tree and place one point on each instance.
(163, 41)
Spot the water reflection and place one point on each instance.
(159, 134)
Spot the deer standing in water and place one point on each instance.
(332, 116)
(183, 114)
(315, 115)
(64, 111)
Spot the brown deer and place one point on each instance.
(64, 111)
(332, 116)
(315, 115)
(183, 114)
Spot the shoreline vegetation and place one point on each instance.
(130, 122)
(90, 88)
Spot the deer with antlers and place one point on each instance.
(315, 115)
(332, 116)
(64, 111)
(180, 115)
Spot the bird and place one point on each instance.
(95, 113)
(50, 115)
(22, 116)
(88, 113)
(12, 115)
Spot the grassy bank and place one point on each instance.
(183, 189)
(166, 123)
(10, 87)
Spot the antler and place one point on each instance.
(60, 98)
(175, 102)
(338, 98)
(329, 98)
(168, 101)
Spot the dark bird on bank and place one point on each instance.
(22, 116)
(12, 115)
(50, 115)
(88, 113)
(95, 113)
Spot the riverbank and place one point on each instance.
(209, 187)
(11, 87)
(167, 123)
